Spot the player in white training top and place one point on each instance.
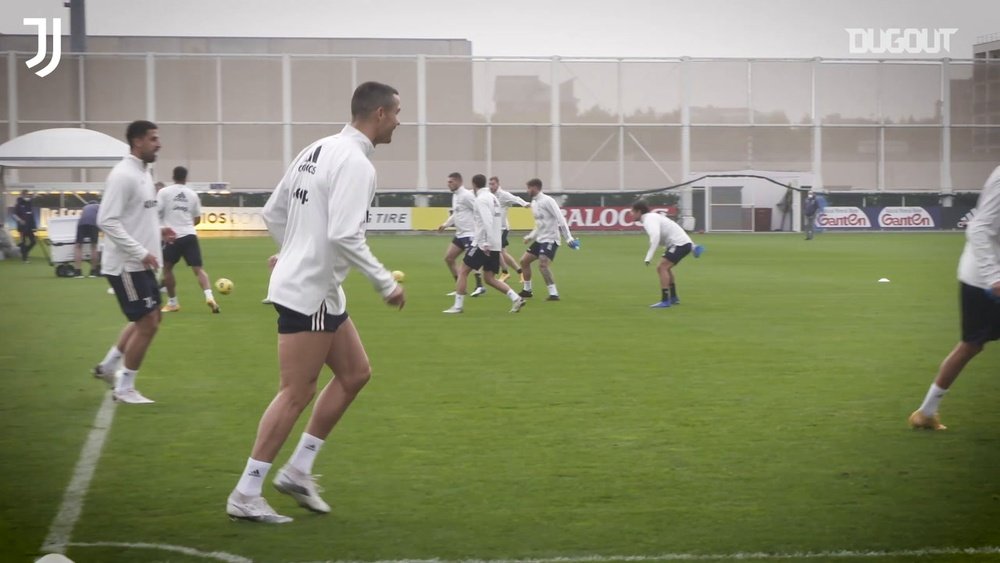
(180, 209)
(664, 232)
(979, 286)
(507, 200)
(133, 235)
(484, 253)
(317, 216)
(550, 226)
(463, 207)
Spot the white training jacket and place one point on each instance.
(549, 220)
(129, 218)
(317, 216)
(508, 200)
(179, 207)
(662, 231)
(463, 207)
(488, 220)
(979, 265)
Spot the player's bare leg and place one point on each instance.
(926, 417)
(515, 299)
(170, 283)
(105, 370)
(449, 259)
(545, 267)
(206, 288)
(137, 343)
(461, 288)
(526, 260)
(78, 260)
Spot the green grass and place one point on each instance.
(767, 413)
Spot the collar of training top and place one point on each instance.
(366, 143)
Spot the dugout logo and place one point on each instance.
(42, 25)
(898, 41)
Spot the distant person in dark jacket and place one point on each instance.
(24, 214)
(809, 209)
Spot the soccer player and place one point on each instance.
(24, 215)
(507, 200)
(544, 239)
(979, 291)
(87, 233)
(180, 209)
(317, 216)
(463, 207)
(133, 237)
(484, 252)
(664, 232)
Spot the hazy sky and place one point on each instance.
(591, 28)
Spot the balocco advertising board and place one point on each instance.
(606, 218)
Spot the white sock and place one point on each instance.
(459, 300)
(127, 379)
(553, 290)
(252, 480)
(305, 453)
(527, 285)
(512, 295)
(933, 398)
(172, 301)
(208, 295)
(111, 359)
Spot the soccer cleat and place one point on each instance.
(130, 396)
(254, 509)
(518, 305)
(213, 305)
(698, 250)
(503, 276)
(525, 293)
(108, 377)
(451, 294)
(552, 298)
(478, 291)
(301, 487)
(265, 301)
(660, 305)
(920, 421)
(452, 310)
(168, 308)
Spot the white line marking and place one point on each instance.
(72, 502)
(217, 555)
(740, 556)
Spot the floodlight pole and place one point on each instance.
(77, 26)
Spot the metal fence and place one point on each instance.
(579, 124)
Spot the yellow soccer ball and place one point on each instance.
(399, 276)
(224, 286)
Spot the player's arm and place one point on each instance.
(983, 232)
(195, 208)
(449, 222)
(109, 218)
(347, 207)
(276, 210)
(560, 221)
(652, 229)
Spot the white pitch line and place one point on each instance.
(72, 503)
(217, 555)
(739, 556)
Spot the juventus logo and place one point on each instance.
(43, 47)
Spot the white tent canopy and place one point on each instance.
(62, 148)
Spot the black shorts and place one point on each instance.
(980, 315)
(544, 249)
(503, 238)
(676, 253)
(477, 258)
(290, 322)
(138, 293)
(462, 242)
(186, 246)
(87, 234)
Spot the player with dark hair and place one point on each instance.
(484, 252)
(131, 226)
(979, 295)
(87, 233)
(317, 216)
(550, 226)
(463, 207)
(180, 209)
(507, 200)
(664, 232)
(24, 215)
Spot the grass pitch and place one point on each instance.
(766, 413)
